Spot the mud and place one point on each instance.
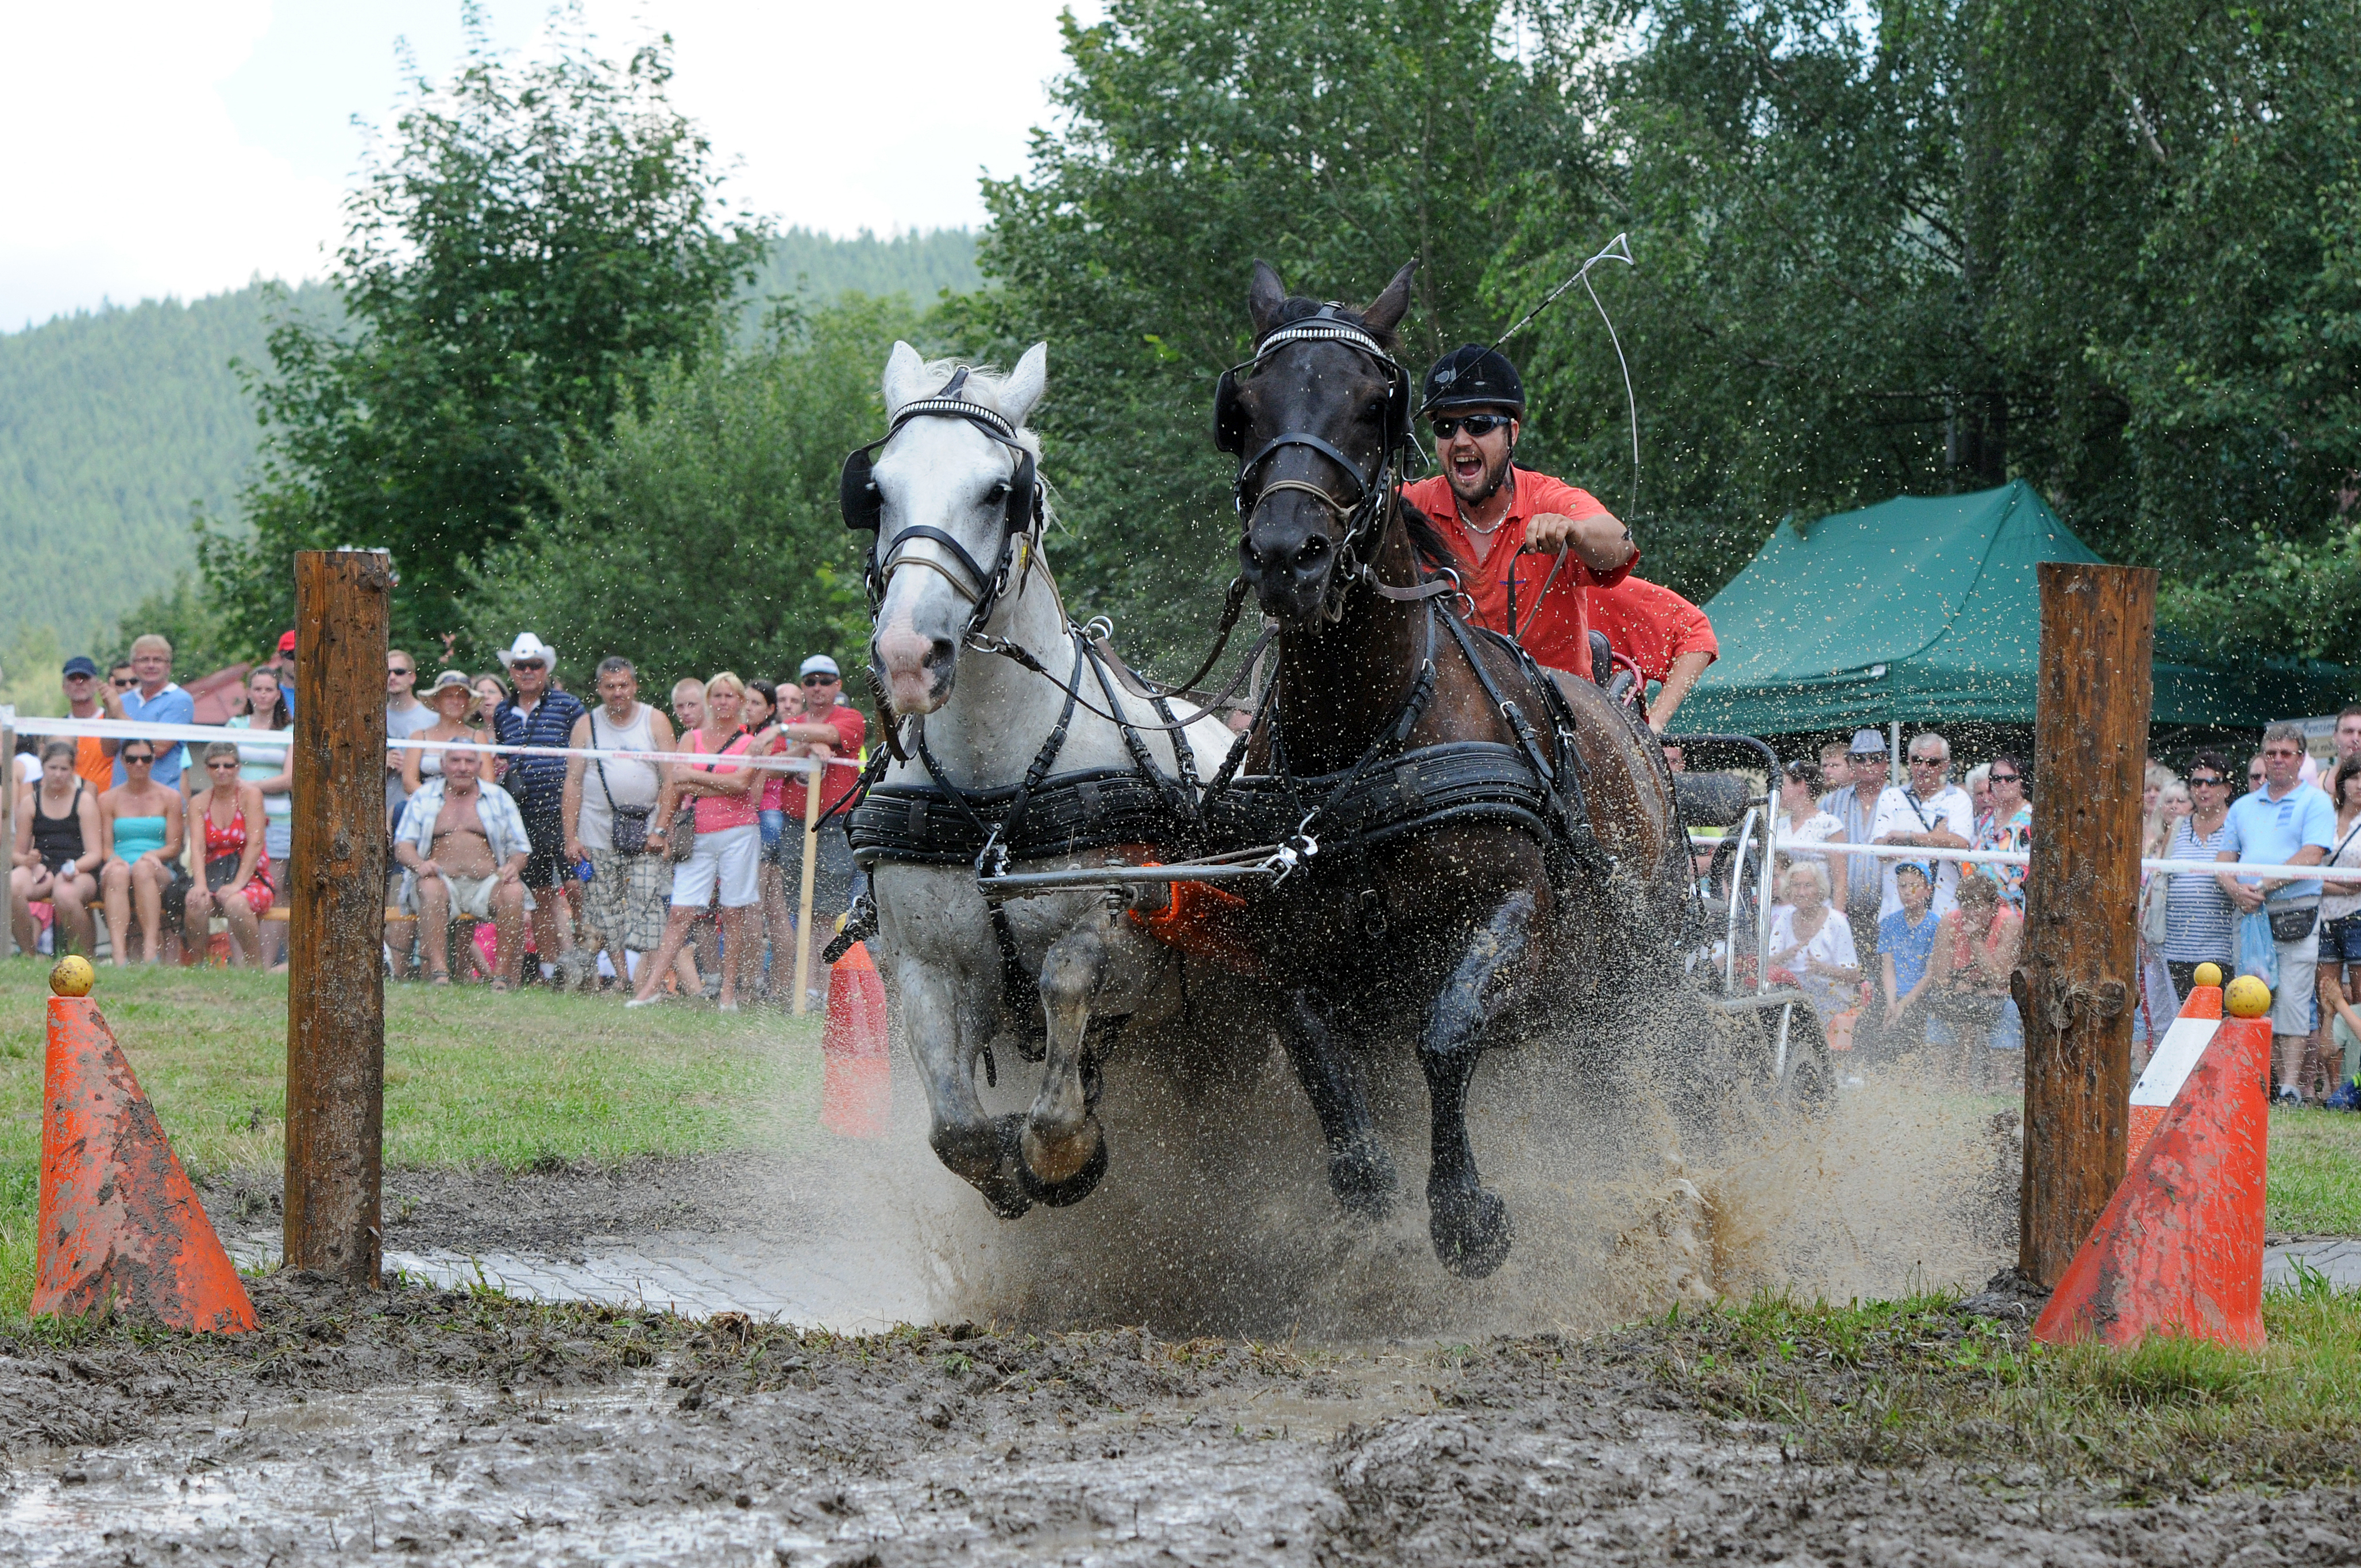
(434, 1427)
(1205, 1363)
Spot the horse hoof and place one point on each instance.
(1471, 1230)
(1074, 1188)
(1008, 1203)
(1363, 1180)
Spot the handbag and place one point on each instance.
(680, 840)
(629, 830)
(2293, 924)
(221, 871)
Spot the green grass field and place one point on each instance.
(469, 1077)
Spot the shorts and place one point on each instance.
(725, 861)
(624, 901)
(774, 837)
(831, 877)
(545, 830)
(278, 838)
(471, 896)
(2340, 940)
(2295, 1001)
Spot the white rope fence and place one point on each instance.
(2004, 857)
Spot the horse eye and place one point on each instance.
(997, 495)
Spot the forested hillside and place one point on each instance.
(115, 424)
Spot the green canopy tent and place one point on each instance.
(1924, 610)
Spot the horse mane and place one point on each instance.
(1433, 551)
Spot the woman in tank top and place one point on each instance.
(270, 769)
(140, 826)
(229, 814)
(55, 858)
(729, 837)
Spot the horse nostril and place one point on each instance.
(939, 651)
(1308, 554)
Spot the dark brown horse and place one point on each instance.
(1468, 912)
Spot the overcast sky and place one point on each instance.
(183, 147)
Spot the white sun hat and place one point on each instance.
(528, 646)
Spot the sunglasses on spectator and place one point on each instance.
(222, 764)
(400, 670)
(1475, 424)
(81, 677)
(137, 759)
(2006, 778)
(2197, 782)
(528, 664)
(820, 680)
(123, 683)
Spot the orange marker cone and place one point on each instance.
(2168, 1065)
(856, 1084)
(2180, 1248)
(121, 1229)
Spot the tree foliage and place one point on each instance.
(704, 533)
(530, 248)
(1335, 140)
(1882, 250)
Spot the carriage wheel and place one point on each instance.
(1807, 1081)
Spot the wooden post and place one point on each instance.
(2077, 981)
(804, 895)
(335, 895)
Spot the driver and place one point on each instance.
(1527, 545)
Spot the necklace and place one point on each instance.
(1470, 523)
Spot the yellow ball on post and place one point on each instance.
(2209, 974)
(72, 976)
(2247, 997)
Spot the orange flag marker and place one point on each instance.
(857, 1077)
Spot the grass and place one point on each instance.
(1904, 1381)
(2315, 1172)
(469, 1077)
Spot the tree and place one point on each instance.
(1335, 140)
(704, 533)
(535, 246)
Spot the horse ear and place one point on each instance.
(1023, 387)
(1386, 312)
(1264, 297)
(904, 375)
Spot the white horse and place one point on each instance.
(985, 719)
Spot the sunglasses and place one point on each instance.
(2255, 777)
(2206, 784)
(80, 677)
(124, 683)
(2006, 778)
(1926, 761)
(400, 670)
(137, 758)
(821, 680)
(223, 765)
(1473, 424)
(528, 664)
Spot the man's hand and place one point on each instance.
(1601, 541)
(427, 868)
(574, 852)
(510, 870)
(2248, 899)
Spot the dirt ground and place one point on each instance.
(1285, 1387)
(434, 1426)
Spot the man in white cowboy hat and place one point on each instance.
(538, 715)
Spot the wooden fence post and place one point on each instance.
(801, 1004)
(335, 895)
(2077, 979)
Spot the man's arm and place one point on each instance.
(1676, 684)
(1599, 542)
(821, 734)
(570, 804)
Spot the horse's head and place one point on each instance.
(1313, 419)
(951, 492)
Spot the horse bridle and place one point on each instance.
(1372, 488)
(864, 506)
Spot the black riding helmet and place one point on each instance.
(1472, 376)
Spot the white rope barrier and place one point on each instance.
(202, 734)
(2009, 856)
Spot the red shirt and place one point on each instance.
(1650, 625)
(851, 728)
(1556, 629)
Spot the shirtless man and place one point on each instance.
(464, 843)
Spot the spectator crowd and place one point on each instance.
(671, 872)
(1900, 955)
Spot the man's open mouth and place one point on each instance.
(1467, 468)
